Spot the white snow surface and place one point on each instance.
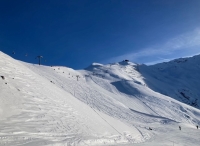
(112, 104)
(178, 79)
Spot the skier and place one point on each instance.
(197, 126)
(179, 127)
(3, 77)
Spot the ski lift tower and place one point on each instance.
(39, 58)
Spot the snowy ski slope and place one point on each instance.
(178, 79)
(112, 104)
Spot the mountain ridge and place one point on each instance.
(182, 73)
(101, 105)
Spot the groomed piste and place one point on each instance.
(122, 103)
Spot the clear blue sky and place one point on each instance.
(76, 33)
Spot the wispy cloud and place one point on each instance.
(188, 42)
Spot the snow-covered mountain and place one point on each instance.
(178, 79)
(114, 104)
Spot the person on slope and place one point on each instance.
(179, 127)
